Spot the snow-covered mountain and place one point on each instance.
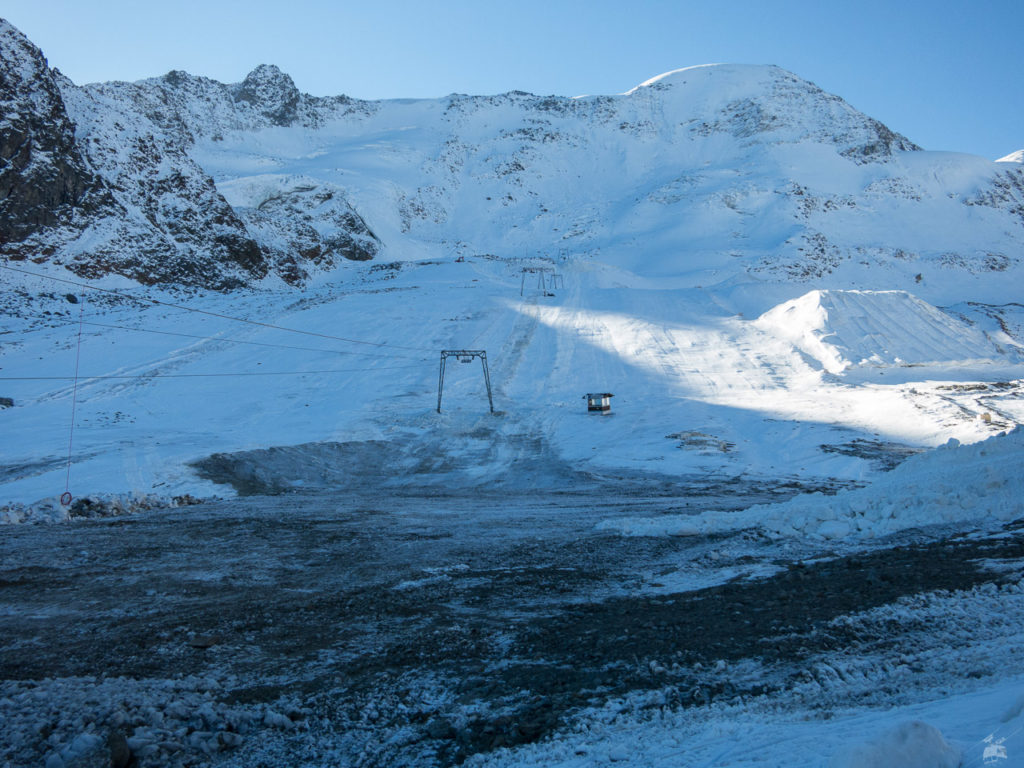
(718, 168)
(100, 179)
(43, 176)
(746, 261)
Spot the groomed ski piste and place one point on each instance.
(705, 384)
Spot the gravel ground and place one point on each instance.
(436, 629)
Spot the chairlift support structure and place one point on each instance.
(464, 356)
(547, 279)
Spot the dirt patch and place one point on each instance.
(883, 455)
(700, 441)
(486, 459)
(11, 472)
(275, 470)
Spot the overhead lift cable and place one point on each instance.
(226, 340)
(146, 300)
(148, 376)
(243, 341)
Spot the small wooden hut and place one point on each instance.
(599, 402)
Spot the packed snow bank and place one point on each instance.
(841, 329)
(909, 745)
(951, 484)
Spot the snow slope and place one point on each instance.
(701, 391)
(700, 174)
(703, 173)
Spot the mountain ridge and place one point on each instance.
(154, 215)
(713, 170)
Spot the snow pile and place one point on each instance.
(909, 745)
(42, 511)
(951, 484)
(85, 721)
(841, 329)
(51, 510)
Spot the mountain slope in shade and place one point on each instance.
(44, 179)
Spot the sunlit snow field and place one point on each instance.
(702, 386)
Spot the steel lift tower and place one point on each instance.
(464, 356)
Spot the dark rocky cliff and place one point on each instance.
(43, 177)
(100, 180)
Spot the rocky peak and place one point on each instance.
(272, 93)
(21, 59)
(42, 174)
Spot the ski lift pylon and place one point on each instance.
(464, 356)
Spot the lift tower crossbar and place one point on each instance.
(542, 273)
(464, 356)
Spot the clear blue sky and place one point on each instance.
(947, 74)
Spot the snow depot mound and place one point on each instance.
(952, 484)
(841, 329)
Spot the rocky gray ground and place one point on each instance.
(429, 629)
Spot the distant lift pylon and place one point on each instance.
(547, 279)
(464, 356)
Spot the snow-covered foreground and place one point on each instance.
(983, 727)
(942, 732)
